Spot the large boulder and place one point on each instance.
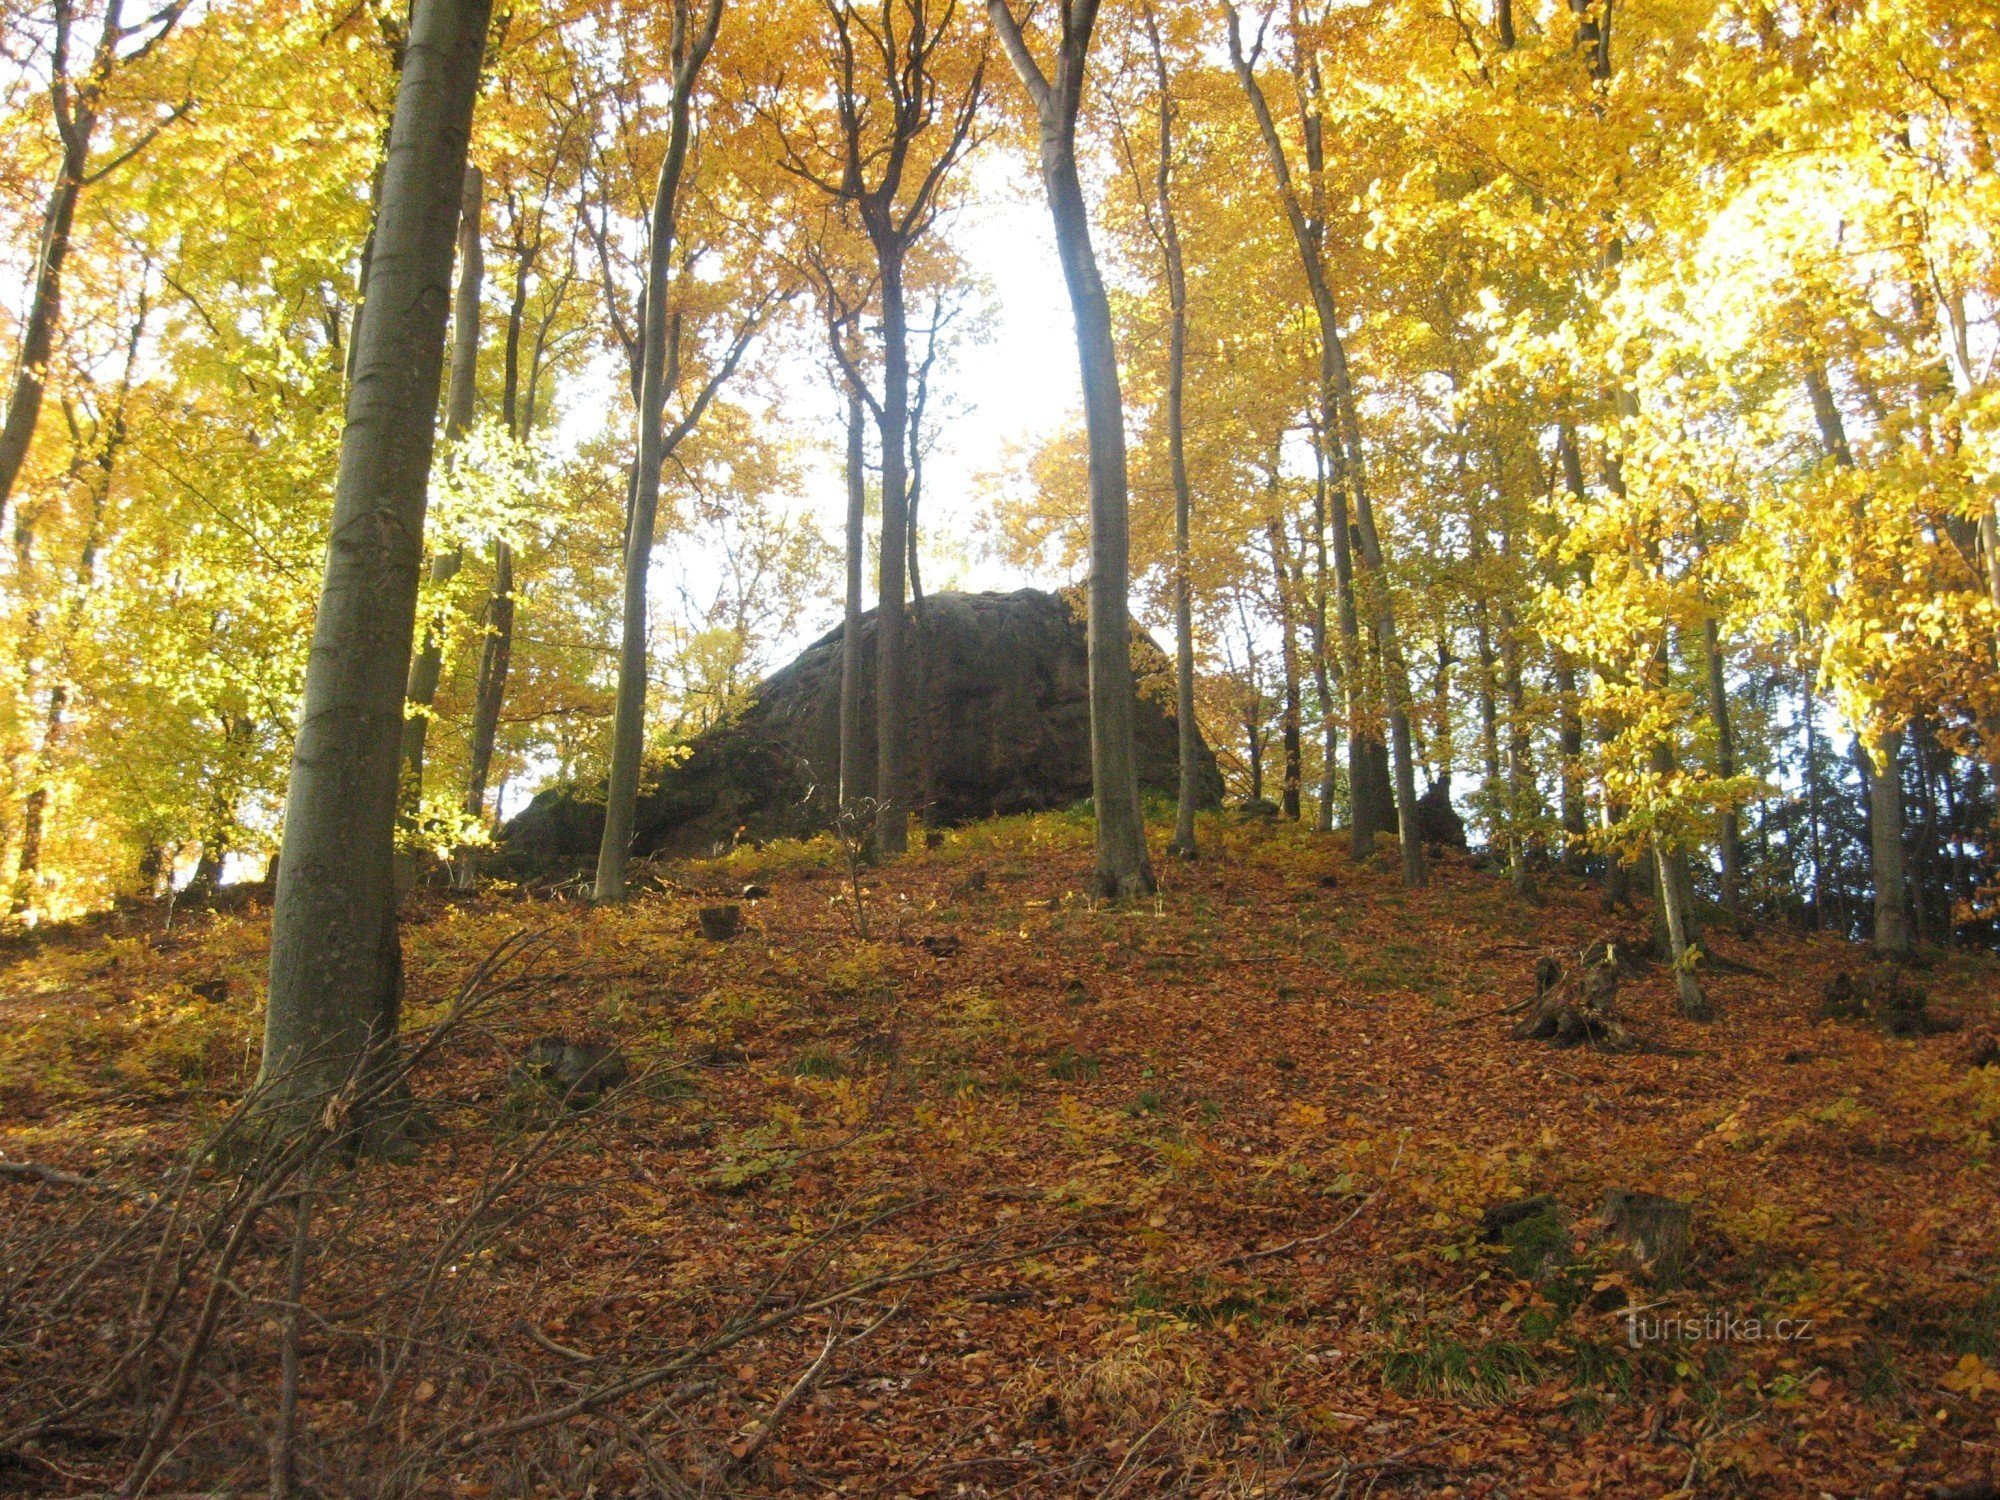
(1008, 731)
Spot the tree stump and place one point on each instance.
(580, 1072)
(720, 923)
(1573, 1006)
(1885, 994)
(1654, 1230)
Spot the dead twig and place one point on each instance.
(1315, 1239)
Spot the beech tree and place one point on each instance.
(896, 78)
(654, 353)
(1123, 867)
(336, 965)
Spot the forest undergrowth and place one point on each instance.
(1014, 1196)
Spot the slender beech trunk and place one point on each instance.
(1520, 776)
(892, 709)
(918, 688)
(496, 649)
(461, 393)
(336, 969)
(1725, 766)
(1288, 660)
(1695, 1005)
(1340, 420)
(1569, 730)
(1674, 886)
(1490, 792)
(1123, 868)
(1322, 652)
(1886, 846)
(1885, 781)
(1813, 799)
(1169, 236)
(854, 780)
(628, 725)
(1441, 763)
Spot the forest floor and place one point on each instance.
(1012, 1197)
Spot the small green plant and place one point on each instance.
(817, 1062)
(1443, 1366)
(1072, 1066)
(750, 1158)
(1147, 1102)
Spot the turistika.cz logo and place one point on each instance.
(1713, 1328)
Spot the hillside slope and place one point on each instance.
(1013, 1197)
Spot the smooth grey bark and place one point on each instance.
(853, 780)
(335, 982)
(1887, 854)
(1166, 231)
(1673, 885)
(1695, 1004)
(1569, 741)
(1289, 801)
(461, 394)
(1520, 777)
(892, 564)
(1322, 653)
(1809, 713)
(690, 49)
(1725, 765)
(1340, 420)
(1123, 868)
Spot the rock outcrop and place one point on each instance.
(1006, 730)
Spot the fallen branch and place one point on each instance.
(34, 1171)
(1315, 1239)
(592, 1401)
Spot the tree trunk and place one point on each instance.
(460, 395)
(1725, 767)
(918, 687)
(1813, 801)
(1288, 638)
(76, 105)
(1885, 847)
(1520, 774)
(1177, 324)
(1674, 901)
(1489, 720)
(628, 724)
(1885, 783)
(495, 656)
(24, 403)
(496, 651)
(1339, 418)
(1322, 672)
(1569, 719)
(335, 985)
(892, 718)
(1367, 816)
(1123, 868)
(854, 779)
(1122, 865)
